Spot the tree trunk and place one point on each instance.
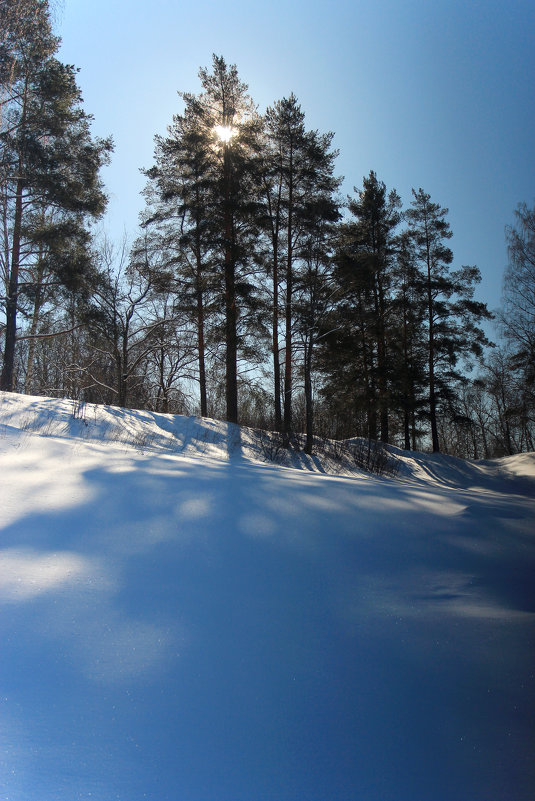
(275, 344)
(432, 393)
(274, 216)
(406, 429)
(405, 386)
(6, 380)
(381, 360)
(413, 429)
(287, 422)
(371, 411)
(431, 354)
(231, 336)
(200, 346)
(122, 381)
(37, 305)
(200, 322)
(309, 410)
(122, 370)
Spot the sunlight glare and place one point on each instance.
(225, 132)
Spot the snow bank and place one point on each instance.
(180, 620)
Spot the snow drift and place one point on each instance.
(181, 621)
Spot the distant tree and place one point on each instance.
(60, 248)
(517, 316)
(501, 389)
(452, 313)
(123, 331)
(49, 164)
(171, 358)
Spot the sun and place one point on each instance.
(225, 132)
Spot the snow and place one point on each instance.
(182, 621)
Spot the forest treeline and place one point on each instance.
(253, 291)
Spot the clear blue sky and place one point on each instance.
(431, 93)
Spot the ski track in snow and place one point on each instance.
(181, 621)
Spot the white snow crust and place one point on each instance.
(182, 621)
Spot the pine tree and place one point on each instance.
(203, 214)
(518, 314)
(315, 295)
(179, 225)
(365, 268)
(286, 139)
(407, 341)
(299, 188)
(453, 316)
(231, 124)
(49, 162)
(373, 247)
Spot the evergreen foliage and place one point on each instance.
(49, 169)
(365, 258)
(518, 315)
(452, 314)
(300, 200)
(207, 180)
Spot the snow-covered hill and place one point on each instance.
(182, 621)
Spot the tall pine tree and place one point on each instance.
(300, 197)
(453, 316)
(179, 223)
(365, 267)
(230, 124)
(49, 162)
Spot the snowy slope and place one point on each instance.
(180, 621)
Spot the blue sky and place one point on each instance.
(430, 93)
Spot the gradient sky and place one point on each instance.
(437, 94)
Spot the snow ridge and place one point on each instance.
(180, 620)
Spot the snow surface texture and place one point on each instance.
(180, 621)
